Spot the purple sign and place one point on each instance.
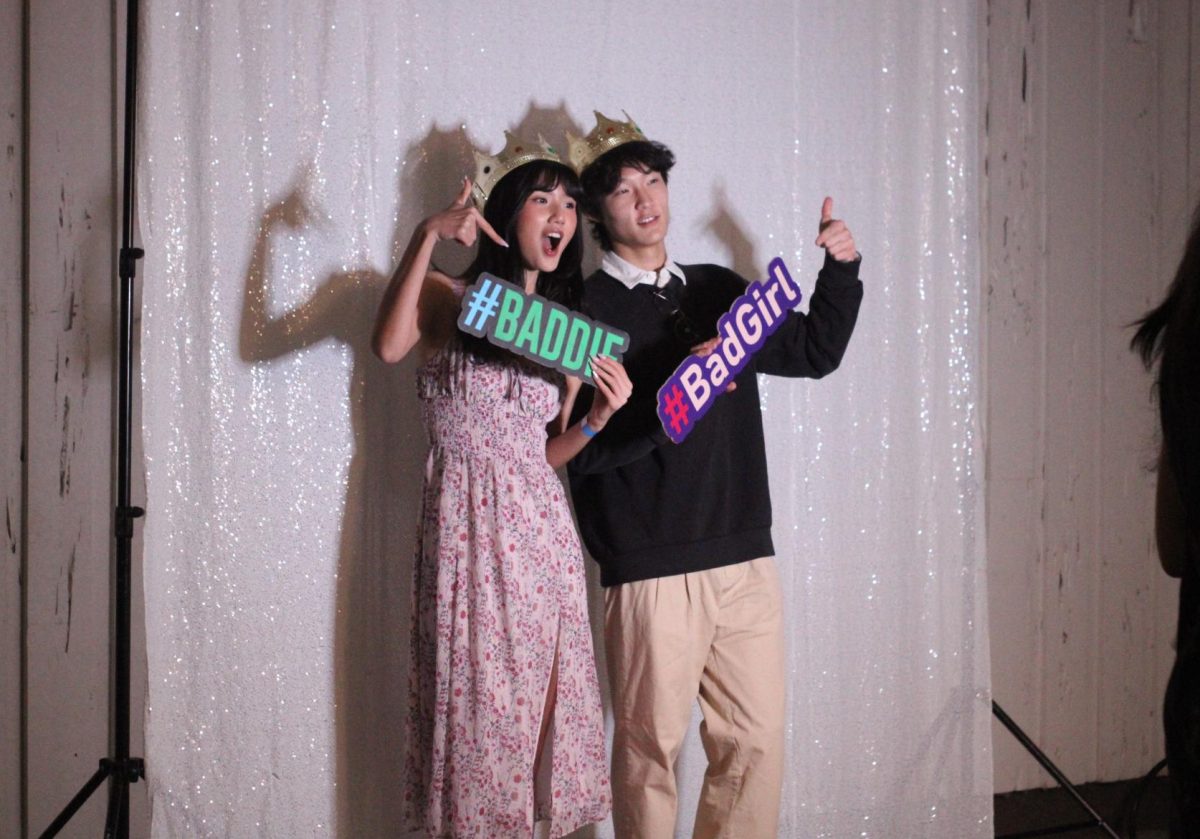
(697, 382)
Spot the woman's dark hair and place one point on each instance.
(563, 285)
(600, 178)
(1170, 334)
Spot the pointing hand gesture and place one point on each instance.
(461, 221)
(834, 236)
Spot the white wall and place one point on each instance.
(1089, 160)
(11, 341)
(57, 561)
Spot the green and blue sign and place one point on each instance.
(536, 328)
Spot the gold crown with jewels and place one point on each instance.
(606, 136)
(489, 170)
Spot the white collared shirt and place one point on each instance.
(632, 276)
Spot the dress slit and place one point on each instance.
(543, 775)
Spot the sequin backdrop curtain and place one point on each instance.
(289, 149)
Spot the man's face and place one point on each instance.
(637, 211)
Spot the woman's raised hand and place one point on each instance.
(612, 390)
(461, 221)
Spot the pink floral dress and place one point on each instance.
(499, 589)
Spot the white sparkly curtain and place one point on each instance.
(288, 150)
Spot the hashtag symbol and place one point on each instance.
(481, 307)
(677, 411)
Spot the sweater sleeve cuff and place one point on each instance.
(843, 271)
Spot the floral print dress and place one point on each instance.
(499, 593)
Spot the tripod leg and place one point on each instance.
(75, 803)
(116, 825)
(1049, 766)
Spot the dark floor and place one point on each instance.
(1022, 813)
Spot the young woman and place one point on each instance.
(1170, 334)
(505, 720)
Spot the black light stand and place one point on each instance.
(120, 769)
(1047, 764)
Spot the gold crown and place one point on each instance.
(489, 170)
(606, 136)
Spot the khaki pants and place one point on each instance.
(717, 635)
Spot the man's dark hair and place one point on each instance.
(600, 179)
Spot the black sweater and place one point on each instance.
(650, 508)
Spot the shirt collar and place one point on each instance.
(631, 276)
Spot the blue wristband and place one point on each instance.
(586, 429)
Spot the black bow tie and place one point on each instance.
(672, 292)
(669, 302)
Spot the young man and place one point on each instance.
(682, 533)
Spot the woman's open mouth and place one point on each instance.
(551, 243)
